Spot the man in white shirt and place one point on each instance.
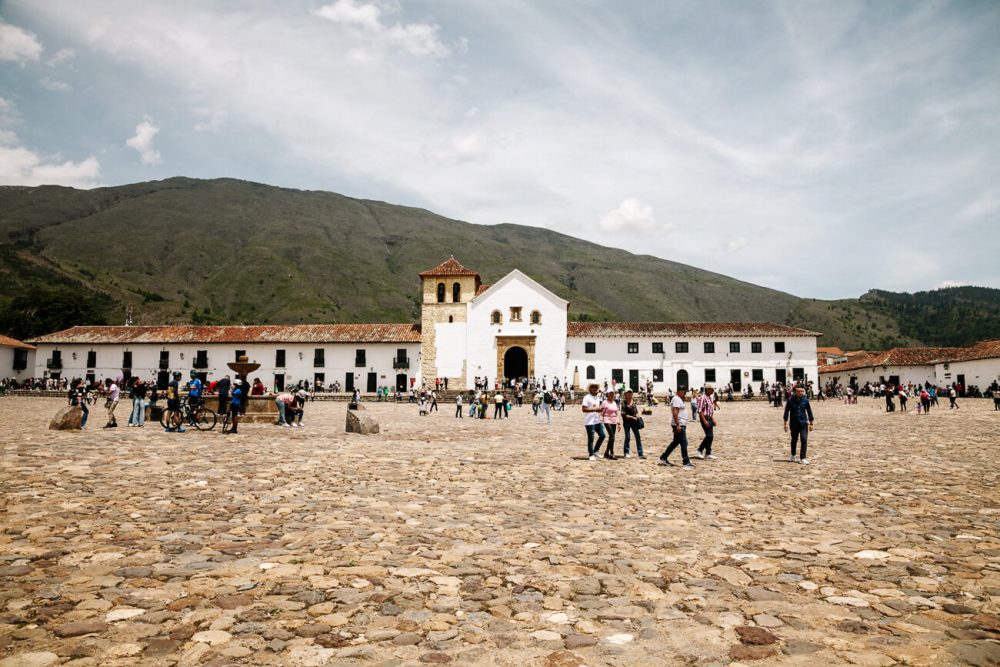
(592, 421)
(113, 394)
(678, 416)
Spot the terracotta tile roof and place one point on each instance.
(7, 341)
(451, 267)
(694, 329)
(835, 351)
(984, 349)
(898, 356)
(270, 333)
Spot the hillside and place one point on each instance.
(228, 251)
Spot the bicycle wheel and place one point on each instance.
(205, 419)
(170, 419)
(227, 422)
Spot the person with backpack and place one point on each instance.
(545, 407)
(706, 415)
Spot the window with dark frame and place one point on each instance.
(91, 359)
(734, 346)
(201, 359)
(456, 293)
(240, 353)
(536, 317)
(657, 375)
(20, 360)
(127, 359)
(440, 294)
(779, 346)
(657, 348)
(496, 317)
(359, 358)
(710, 348)
(319, 358)
(756, 347)
(591, 373)
(681, 348)
(757, 375)
(279, 359)
(709, 375)
(633, 348)
(590, 348)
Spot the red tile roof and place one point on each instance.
(694, 329)
(899, 356)
(451, 267)
(7, 341)
(270, 333)
(835, 351)
(984, 349)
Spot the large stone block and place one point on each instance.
(67, 419)
(361, 422)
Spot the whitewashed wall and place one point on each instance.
(907, 375)
(7, 364)
(980, 372)
(339, 360)
(612, 353)
(516, 289)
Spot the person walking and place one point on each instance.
(545, 407)
(952, 395)
(458, 406)
(113, 393)
(925, 401)
(706, 415)
(801, 414)
(631, 423)
(434, 403)
(498, 405)
(591, 406)
(902, 398)
(609, 417)
(678, 417)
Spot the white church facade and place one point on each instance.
(513, 328)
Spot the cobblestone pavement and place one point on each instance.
(496, 543)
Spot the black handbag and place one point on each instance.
(640, 424)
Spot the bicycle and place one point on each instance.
(227, 421)
(202, 418)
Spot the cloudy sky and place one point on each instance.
(817, 148)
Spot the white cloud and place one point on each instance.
(61, 56)
(55, 85)
(142, 142)
(213, 120)
(944, 284)
(22, 166)
(631, 214)
(987, 204)
(17, 44)
(420, 39)
(738, 243)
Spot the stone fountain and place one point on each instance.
(259, 409)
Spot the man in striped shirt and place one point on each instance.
(706, 415)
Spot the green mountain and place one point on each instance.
(228, 251)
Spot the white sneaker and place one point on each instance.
(627, 456)
(593, 458)
(699, 455)
(804, 462)
(711, 456)
(792, 458)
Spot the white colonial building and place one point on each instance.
(511, 329)
(17, 359)
(977, 365)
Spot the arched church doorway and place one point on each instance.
(515, 363)
(682, 379)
